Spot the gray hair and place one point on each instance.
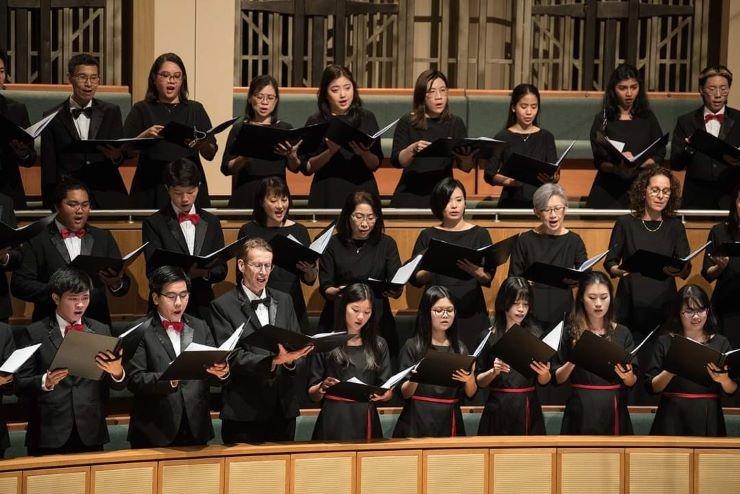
(543, 195)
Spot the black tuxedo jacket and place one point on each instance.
(7, 346)
(7, 216)
(10, 176)
(75, 401)
(158, 408)
(107, 189)
(255, 392)
(45, 253)
(162, 231)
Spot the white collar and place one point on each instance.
(178, 211)
(63, 323)
(707, 111)
(251, 295)
(61, 227)
(75, 104)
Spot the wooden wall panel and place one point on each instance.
(385, 471)
(658, 472)
(57, 480)
(456, 471)
(124, 478)
(258, 475)
(523, 471)
(317, 473)
(11, 483)
(191, 476)
(717, 471)
(587, 471)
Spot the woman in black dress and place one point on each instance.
(596, 405)
(166, 101)
(513, 407)
(525, 137)
(364, 357)
(626, 118)
(270, 218)
(430, 120)
(338, 172)
(448, 205)
(550, 243)
(688, 408)
(434, 411)
(359, 251)
(263, 99)
(726, 271)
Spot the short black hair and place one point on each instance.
(81, 59)
(4, 58)
(258, 84)
(267, 187)
(151, 90)
(165, 275)
(70, 279)
(441, 195)
(60, 192)
(182, 172)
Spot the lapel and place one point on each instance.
(65, 115)
(174, 227)
(699, 119)
(727, 125)
(56, 240)
(55, 332)
(87, 243)
(96, 120)
(246, 308)
(162, 336)
(200, 234)
(273, 308)
(186, 337)
(3, 105)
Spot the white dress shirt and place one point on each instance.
(174, 337)
(73, 242)
(713, 125)
(82, 123)
(188, 228)
(262, 313)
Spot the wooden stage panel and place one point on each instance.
(11, 483)
(258, 475)
(456, 471)
(191, 476)
(380, 472)
(523, 471)
(124, 478)
(323, 473)
(590, 471)
(717, 471)
(73, 480)
(653, 471)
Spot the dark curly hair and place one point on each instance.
(638, 191)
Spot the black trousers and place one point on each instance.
(73, 445)
(184, 437)
(277, 428)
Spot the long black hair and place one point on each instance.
(518, 93)
(513, 289)
(578, 319)
(640, 106)
(373, 349)
(423, 329)
(423, 85)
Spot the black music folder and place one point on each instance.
(90, 146)
(12, 237)
(161, 257)
(399, 279)
(193, 361)
(287, 251)
(441, 257)
(259, 141)
(653, 265)
(446, 147)
(727, 249)
(186, 136)
(11, 131)
(519, 348)
(614, 148)
(356, 390)
(598, 355)
(436, 368)
(559, 276)
(94, 264)
(526, 169)
(16, 359)
(269, 336)
(689, 359)
(714, 147)
(342, 133)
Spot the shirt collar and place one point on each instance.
(707, 111)
(250, 294)
(76, 105)
(64, 323)
(178, 211)
(61, 227)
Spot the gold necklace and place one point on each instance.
(653, 230)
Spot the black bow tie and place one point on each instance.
(263, 301)
(76, 112)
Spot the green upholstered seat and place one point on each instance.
(39, 102)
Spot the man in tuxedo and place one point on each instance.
(261, 402)
(708, 183)
(170, 413)
(67, 413)
(10, 259)
(13, 152)
(68, 236)
(182, 227)
(82, 117)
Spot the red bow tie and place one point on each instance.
(69, 233)
(73, 327)
(176, 325)
(720, 117)
(192, 218)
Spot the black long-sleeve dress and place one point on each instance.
(284, 280)
(539, 145)
(725, 295)
(596, 405)
(432, 411)
(339, 419)
(417, 180)
(680, 411)
(471, 312)
(609, 190)
(568, 250)
(244, 183)
(356, 261)
(345, 172)
(10, 176)
(147, 188)
(513, 407)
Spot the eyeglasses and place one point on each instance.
(265, 97)
(443, 311)
(170, 77)
(554, 209)
(656, 191)
(370, 218)
(259, 267)
(172, 296)
(84, 78)
(691, 313)
(723, 90)
(441, 91)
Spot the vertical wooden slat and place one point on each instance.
(298, 34)
(4, 24)
(482, 43)
(444, 38)
(589, 37)
(463, 38)
(340, 33)
(22, 52)
(608, 60)
(45, 41)
(410, 15)
(318, 49)
(632, 35)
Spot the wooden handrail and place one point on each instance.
(62, 88)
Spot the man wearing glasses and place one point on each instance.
(708, 182)
(83, 117)
(261, 402)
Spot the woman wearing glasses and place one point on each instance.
(360, 251)
(166, 101)
(247, 172)
(688, 408)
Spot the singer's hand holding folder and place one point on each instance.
(658, 266)
(287, 251)
(260, 141)
(187, 136)
(615, 149)
(441, 257)
(356, 390)
(436, 368)
(598, 355)
(519, 348)
(559, 276)
(529, 170)
(92, 265)
(399, 279)
(161, 257)
(12, 237)
(342, 134)
(192, 362)
(268, 337)
(715, 148)
(688, 358)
